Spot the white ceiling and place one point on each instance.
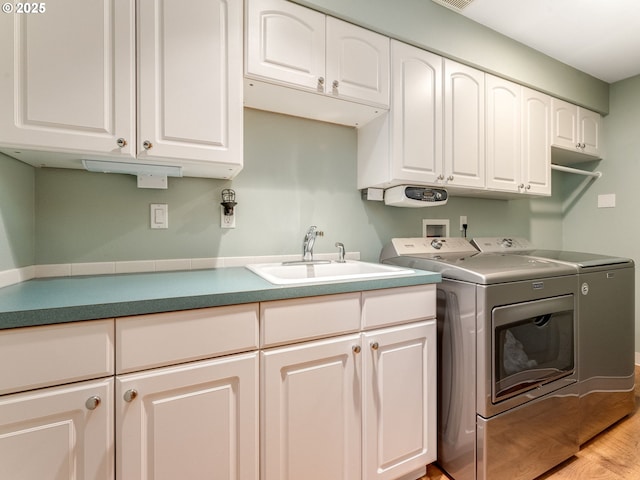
(599, 37)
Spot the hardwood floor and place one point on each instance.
(611, 455)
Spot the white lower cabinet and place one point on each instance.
(58, 433)
(311, 404)
(187, 395)
(342, 387)
(197, 420)
(56, 402)
(399, 414)
(356, 406)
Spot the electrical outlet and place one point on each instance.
(463, 221)
(228, 221)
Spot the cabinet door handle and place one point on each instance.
(440, 177)
(335, 84)
(375, 346)
(521, 186)
(121, 142)
(356, 349)
(450, 178)
(528, 187)
(130, 395)
(321, 84)
(93, 402)
(147, 144)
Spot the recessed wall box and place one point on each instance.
(413, 196)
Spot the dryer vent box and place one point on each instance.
(435, 227)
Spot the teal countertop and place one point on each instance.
(70, 299)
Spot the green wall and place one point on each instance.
(17, 214)
(297, 173)
(438, 29)
(611, 230)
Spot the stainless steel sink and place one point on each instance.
(299, 273)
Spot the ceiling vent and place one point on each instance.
(455, 5)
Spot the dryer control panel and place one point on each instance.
(502, 244)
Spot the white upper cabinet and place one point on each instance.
(536, 142)
(177, 100)
(67, 78)
(464, 126)
(357, 65)
(518, 131)
(577, 130)
(285, 43)
(416, 117)
(290, 45)
(504, 124)
(405, 145)
(189, 85)
(434, 132)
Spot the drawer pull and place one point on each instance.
(356, 349)
(93, 402)
(130, 395)
(375, 345)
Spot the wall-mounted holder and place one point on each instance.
(149, 176)
(227, 212)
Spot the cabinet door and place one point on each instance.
(58, 433)
(399, 372)
(286, 43)
(67, 78)
(503, 135)
(190, 84)
(357, 63)
(464, 145)
(416, 114)
(536, 142)
(310, 416)
(590, 132)
(565, 124)
(199, 420)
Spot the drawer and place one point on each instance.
(149, 341)
(286, 321)
(34, 357)
(398, 305)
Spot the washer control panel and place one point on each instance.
(426, 245)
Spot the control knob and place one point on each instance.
(507, 242)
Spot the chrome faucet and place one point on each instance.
(307, 243)
(340, 252)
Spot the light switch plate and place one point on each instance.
(159, 215)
